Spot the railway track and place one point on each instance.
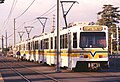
(42, 73)
(105, 73)
(21, 73)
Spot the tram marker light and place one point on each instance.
(85, 56)
(100, 56)
(104, 28)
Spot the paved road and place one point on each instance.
(111, 75)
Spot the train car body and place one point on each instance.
(81, 47)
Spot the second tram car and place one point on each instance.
(81, 48)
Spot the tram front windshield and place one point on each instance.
(92, 40)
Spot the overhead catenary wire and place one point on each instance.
(46, 13)
(48, 10)
(8, 18)
(13, 7)
(25, 23)
(25, 10)
(20, 25)
(33, 22)
(19, 17)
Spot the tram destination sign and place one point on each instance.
(92, 28)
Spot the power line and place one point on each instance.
(33, 22)
(41, 15)
(26, 9)
(45, 13)
(48, 10)
(35, 19)
(13, 6)
(18, 17)
(20, 25)
(25, 23)
(11, 10)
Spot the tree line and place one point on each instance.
(110, 17)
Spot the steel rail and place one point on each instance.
(49, 77)
(40, 73)
(25, 78)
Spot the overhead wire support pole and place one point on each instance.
(21, 34)
(28, 30)
(69, 34)
(66, 12)
(43, 24)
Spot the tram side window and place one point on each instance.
(19, 47)
(46, 43)
(33, 46)
(23, 46)
(55, 42)
(41, 44)
(74, 40)
(61, 41)
(28, 46)
(51, 43)
(65, 41)
(36, 44)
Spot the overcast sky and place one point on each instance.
(85, 11)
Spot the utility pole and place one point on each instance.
(21, 34)
(43, 24)
(2, 45)
(6, 43)
(14, 34)
(58, 39)
(28, 30)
